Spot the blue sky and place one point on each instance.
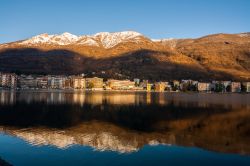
(20, 19)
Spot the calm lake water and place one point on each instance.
(124, 128)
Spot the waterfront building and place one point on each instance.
(235, 87)
(56, 82)
(176, 83)
(8, 80)
(78, 82)
(137, 81)
(203, 87)
(213, 85)
(160, 86)
(144, 84)
(120, 84)
(13, 81)
(149, 87)
(42, 82)
(227, 85)
(188, 85)
(68, 83)
(94, 83)
(168, 86)
(27, 82)
(246, 86)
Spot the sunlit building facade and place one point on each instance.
(94, 83)
(78, 82)
(120, 84)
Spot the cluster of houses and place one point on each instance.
(13, 81)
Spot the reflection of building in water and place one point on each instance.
(162, 100)
(47, 97)
(56, 97)
(148, 98)
(133, 98)
(94, 98)
(79, 98)
(140, 98)
(7, 97)
(120, 98)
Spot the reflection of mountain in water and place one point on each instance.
(181, 120)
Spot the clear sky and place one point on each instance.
(20, 19)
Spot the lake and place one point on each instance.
(124, 128)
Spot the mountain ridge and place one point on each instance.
(216, 56)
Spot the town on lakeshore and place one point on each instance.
(81, 82)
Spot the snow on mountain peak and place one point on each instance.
(110, 40)
(69, 36)
(123, 34)
(63, 39)
(106, 39)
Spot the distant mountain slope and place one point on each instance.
(130, 54)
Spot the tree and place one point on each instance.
(219, 88)
(90, 85)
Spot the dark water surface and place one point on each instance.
(124, 128)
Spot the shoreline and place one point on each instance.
(118, 91)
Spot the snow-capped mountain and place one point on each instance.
(104, 39)
(110, 40)
(63, 39)
(216, 56)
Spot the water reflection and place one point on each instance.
(125, 122)
(126, 98)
